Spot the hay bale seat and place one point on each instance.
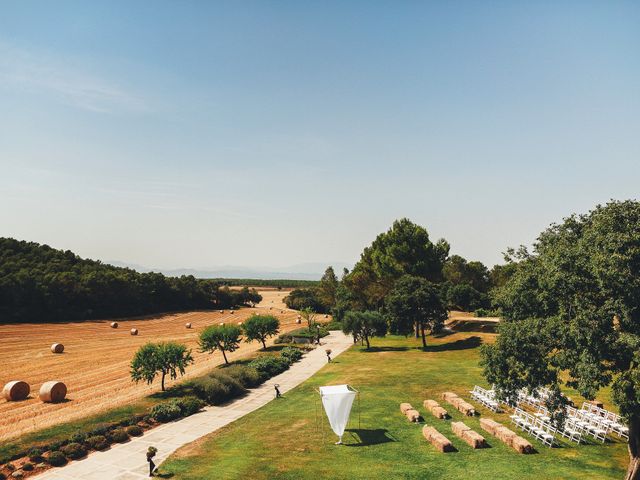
(506, 436)
(471, 438)
(404, 407)
(53, 391)
(460, 405)
(437, 439)
(113, 324)
(489, 425)
(412, 415)
(435, 409)
(57, 348)
(187, 325)
(16, 390)
(134, 331)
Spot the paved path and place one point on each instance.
(127, 461)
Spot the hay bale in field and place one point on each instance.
(240, 323)
(53, 391)
(298, 321)
(505, 435)
(113, 324)
(458, 428)
(429, 404)
(134, 331)
(448, 396)
(16, 390)
(474, 439)
(232, 312)
(57, 348)
(221, 311)
(489, 425)
(466, 408)
(404, 407)
(521, 445)
(437, 439)
(439, 412)
(221, 324)
(187, 325)
(412, 415)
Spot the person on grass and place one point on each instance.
(151, 452)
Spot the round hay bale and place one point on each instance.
(326, 316)
(113, 324)
(188, 325)
(221, 311)
(134, 331)
(298, 321)
(16, 390)
(57, 348)
(221, 324)
(232, 312)
(53, 391)
(239, 323)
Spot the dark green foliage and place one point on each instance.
(101, 430)
(118, 435)
(465, 297)
(160, 358)
(458, 271)
(279, 283)
(269, 366)
(134, 430)
(56, 459)
(35, 455)
(190, 405)
(97, 442)
(247, 376)
(27, 466)
(225, 338)
(74, 451)
(260, 327)
(414, 305)
(302, 332)
(78, 437)
(292, 354)
(405, 249)
(41, 284)
(165, 412)
(2, 476)
(302, 298)
(364, 325)
(572, 312)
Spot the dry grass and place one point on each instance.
(95, 362)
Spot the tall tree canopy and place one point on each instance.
(415, 304)
(364, 325)
(405, 249)
(260, 327)
(225, 338)
(165, 358)
(572, 314)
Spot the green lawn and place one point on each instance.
(283, 440)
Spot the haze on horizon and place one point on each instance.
(193, 134)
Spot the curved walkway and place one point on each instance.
(127, 461)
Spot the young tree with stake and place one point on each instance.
(225, 338)
(261, 327)
(168, 358)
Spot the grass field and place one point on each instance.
(95, 363)
(283, 440)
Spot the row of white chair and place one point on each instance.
(571, 431)
(535, 426)
(486, 398)
(611, 420)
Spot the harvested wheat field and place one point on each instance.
(95, 362)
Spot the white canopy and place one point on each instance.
(337, 401)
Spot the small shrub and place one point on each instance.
(27, 466)
(118, 435)
(190, 405)
(292, 354)
(134, 430)
(3, 476)
(269, 366)
(56, 459)
(333, 325)
(146, 418)
(10, 466)
(99, 431)
(35, 455)
(97, 442)
(212, 390)
(78, 437)
(55, 446)
(74, 451)
(283, 338)
(165, 412)
(247, 376)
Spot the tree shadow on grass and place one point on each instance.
(463, 344)
(368, 437)
(385, 349)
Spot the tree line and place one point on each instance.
(41, 284)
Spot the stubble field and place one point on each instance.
(95, 362)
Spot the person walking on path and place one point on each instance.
(151, 452)
(278, 394)
(328, 350)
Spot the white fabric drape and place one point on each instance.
(337, 401)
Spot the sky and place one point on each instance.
(192, 134)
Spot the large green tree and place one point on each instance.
(405, 249)
(364, 325)
(260, 327)
(225, 338)
(415, 305)
(572, 314)
(327, 288)
(165, 358)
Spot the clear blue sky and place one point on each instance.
(193, 134)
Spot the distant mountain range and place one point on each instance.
(301, 271)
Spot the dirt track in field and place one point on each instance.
(95, 362)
